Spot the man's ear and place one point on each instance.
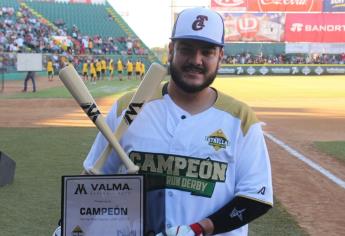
(221, 55)
(171, 51)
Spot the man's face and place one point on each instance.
(194, 64)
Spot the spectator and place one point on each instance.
(30, 76)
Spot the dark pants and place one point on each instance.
(30, 75)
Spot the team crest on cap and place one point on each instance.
(217, 140)
(198, 24)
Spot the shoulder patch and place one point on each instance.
(237, 109)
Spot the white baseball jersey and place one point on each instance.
(201, 162)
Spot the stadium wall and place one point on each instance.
(282, 69)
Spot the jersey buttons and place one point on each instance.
(183, 117)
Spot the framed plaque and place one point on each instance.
(104, 205)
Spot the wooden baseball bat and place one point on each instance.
(69, 76)
(152, 79)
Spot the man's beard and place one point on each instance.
(188, 88)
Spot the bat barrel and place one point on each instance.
(71, 79)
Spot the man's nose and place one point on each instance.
(196, 57)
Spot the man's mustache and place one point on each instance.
(191, 67)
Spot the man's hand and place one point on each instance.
(184, 230)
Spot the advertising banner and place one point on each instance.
(334, 6)
(306, 69)
(253, 27)
(285, 5)
(229, 5)
(323, 28)
(268, 5)
(328, 48)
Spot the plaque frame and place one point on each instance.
(124, 186)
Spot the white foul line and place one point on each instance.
(309, 162)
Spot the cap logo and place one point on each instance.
(198, 24)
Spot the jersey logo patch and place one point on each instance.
(262, 191)
(217, 140)
(237, 213)
(198, 176)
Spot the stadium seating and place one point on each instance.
(90, 19)
(9, 3)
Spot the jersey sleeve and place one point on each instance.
(253, 169)
(113, 163)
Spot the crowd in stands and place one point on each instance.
(22, 31)
(315, 58)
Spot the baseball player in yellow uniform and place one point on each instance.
(137, 69)
(98, 69)
(103, 68)
(129, 67)
(50, 70)
(111, 69)
(85, 70)
(206, 148)
(142, 72)
(93, 72)
(119, 69)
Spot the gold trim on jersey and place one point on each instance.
(237, 109)
(255, 199)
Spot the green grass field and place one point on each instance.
(31, 205)
(101, 89)
(333, 148)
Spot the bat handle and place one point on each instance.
(101, 160)
(131, 168)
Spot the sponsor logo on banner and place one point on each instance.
(318, 70)
(251, 70)
(335, 70)
(264, 70)
(258, 27)
(280, 70)
(323, 28)
(334, 6)
(285, 5)
(247, 26)
(240, 70)
(227, 70)
(294, 70)
(306, 70)
(229, 5)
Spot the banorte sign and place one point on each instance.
(286, 5)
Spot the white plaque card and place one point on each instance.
(110, 205)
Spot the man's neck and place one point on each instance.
(193, 103)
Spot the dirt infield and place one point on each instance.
(315, 202)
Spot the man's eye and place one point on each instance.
(185, 50)
(208, 52)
